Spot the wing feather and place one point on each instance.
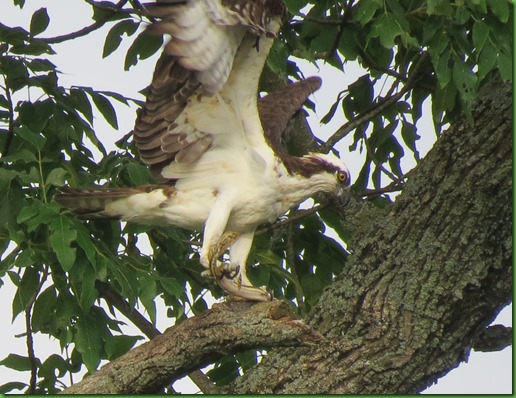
(184, 116)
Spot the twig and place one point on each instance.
(28, 329)
(10, 128)
(376, 109)
(297, 216)
(291, 262)
(392, 187)
(112, 7)
(87, 29)
(117, 301)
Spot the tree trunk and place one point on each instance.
(426, 275)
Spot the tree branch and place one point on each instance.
(28, 329)
(10, 127)
(87, 29)
(494, 338)
(113, 298)
(378, 108)
(225, 329)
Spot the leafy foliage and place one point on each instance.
(433, 49)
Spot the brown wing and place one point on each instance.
(197, 61)
(278, 107)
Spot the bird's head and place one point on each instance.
(337, 172)
(324, 172)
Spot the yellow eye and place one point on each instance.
(342, 177)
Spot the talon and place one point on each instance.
(227, 276)
(230, 271)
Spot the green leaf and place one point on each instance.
(39, 22)
(486, 60)
(84, 240)
(50, 365)
(324, 40)
(26, 289)
(247, 359)
(348, 43)
(18, 362)
(38, 214)
(117, 346)
(13, 385)
(480, 34)
(114, 36)
(439, 7)
(143, 47)
(294, 6)
(105, 108)
(88, 293)
(44, 309)
(56, 177)
(505, 66)
(172, 286)
(365, 11)
(443, 100)
(312, 288)
(41, 65)
(37, 140)
(61, 238)
(35, 115)
(500, 8)
(23, 155)
(443, 69)
(387, 29)
(225, 371)
(465, 79)
(88, 341)
(410, 136)
(148, 292)
(82, 103)
(138, 173)
(277, 59)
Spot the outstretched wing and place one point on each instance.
(199, 93)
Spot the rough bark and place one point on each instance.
(225, 329)
(426, 276)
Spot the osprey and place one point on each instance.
(214, 145)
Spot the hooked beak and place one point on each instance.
(342, 196)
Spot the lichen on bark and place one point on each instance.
(426, 276)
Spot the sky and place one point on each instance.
(81, 63)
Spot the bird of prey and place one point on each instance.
(213, 144)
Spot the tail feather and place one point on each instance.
(90, 203)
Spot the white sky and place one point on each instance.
(80, 61)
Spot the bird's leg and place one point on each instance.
(217, 269)
(237, 283)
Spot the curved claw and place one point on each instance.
(223, 275)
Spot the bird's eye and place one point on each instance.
(342, 177)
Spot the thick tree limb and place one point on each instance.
(427, 275)
(226, 328)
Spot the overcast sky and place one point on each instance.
(81, 63)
